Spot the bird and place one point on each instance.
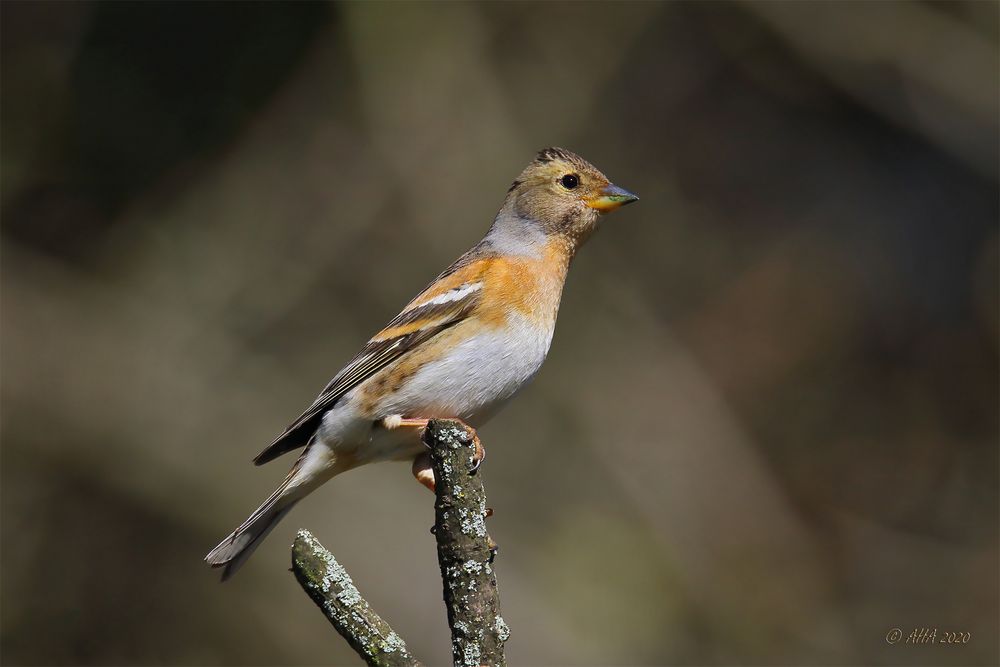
(460, 349)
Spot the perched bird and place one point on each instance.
(461, 349)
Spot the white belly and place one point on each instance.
(471, 382)
(476, 377)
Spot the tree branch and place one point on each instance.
(465, 550)
(465, 555)
(331, 588)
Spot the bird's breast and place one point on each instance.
(471, 369)
(475, 372)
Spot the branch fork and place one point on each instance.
(465, 556)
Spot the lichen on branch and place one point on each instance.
(465, 550)
(333, 591)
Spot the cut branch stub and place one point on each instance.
(465, 550)
(331, 588)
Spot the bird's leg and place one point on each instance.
(398, 421)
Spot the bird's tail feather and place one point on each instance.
(233, 551)
(316, 465)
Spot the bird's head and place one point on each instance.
(565, 194)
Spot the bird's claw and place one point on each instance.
(478, 457)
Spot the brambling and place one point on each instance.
(461, 349)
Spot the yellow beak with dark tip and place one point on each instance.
(610, 197)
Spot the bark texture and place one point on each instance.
(331, 588)
(465, 550)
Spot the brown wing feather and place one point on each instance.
(414, 326)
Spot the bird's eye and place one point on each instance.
(569, 181)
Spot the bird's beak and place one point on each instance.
(609, 198)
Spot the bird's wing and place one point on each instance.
(446, 302)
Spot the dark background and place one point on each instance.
(767, 430)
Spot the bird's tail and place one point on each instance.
(316, 465)
(233, 551)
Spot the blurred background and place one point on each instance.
(767, 432)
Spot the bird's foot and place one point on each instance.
(480, 454)
(422, 469)
(393, 422)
